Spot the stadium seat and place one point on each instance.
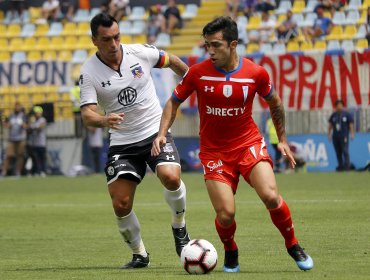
(353, 17)
(79, 56)
(335, 34)
(19, 56)
(29, 44)
(83, 28)
(84, 42)
(306, 46)
(137, 13)
(309, 19)
(320, 46)
(4, 56)
(361, 32)
(363, 18)
(299, 19)
(339, 18)
(16, 44)
(70, 43)
(65, 55)
(43, 44)
(333, 45)
(49, 55)
(41, 30)
(13, 30)
(191, 11)
(298, 6)
(94, 12)
(362, 44)
(138, 27)
(279, 49)
(365, 5)
(56, 43)
(251, 48)
(82, 15)
(292, 46)
(92, 52)
(124, 27)
(126, 39)
(28, 30)
(163, 40)
(35, 13)
(197, 51)
(349, 32)
(254, 22)
(310, 7)
(266, 48)
(69, 29)
(139, 39)
(347, 45)
(3, 29)
(34, 56)
(284, 6)
(240, 50)
(55, 29)
(353, 5)
(242, 21)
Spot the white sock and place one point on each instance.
(129, 227)
(177, 202)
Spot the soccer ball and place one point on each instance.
(199, 257)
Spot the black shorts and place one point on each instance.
(129, 161)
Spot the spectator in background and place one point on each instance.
(297, 151)
(172, 17)
(248, 7)
(265, 30)
(340, 126)
(274, 141)
(368, 27)
(287, 29)
(50, 10)
(17, 7)
(95, 141)
(232, 8)
(74, 94)
(154, 23)
(17, 124)
(38, 140)
(322, 26)
(264, 6)
(119, 8)
(66, 10)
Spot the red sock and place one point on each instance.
(227, 235)
(281, 218)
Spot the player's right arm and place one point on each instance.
(91, 117)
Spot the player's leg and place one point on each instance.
(262, 179)
(338, 152)
(345, 146)
(222, 198)
(8, 156)
(20, 153)
(122, 193)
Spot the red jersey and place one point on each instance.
(225, 102)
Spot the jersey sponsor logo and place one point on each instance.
(212, 165)
(168, 148)
(107, 83)
(207, 88)
(127, 96)
(227, 90)
(225, 112)
(110, 170)
(137, 71)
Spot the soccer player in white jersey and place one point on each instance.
(118, 79)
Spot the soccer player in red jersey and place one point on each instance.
(230, 142)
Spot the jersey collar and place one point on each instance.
(228, 74)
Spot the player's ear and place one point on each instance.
(234, 44)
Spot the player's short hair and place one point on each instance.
(339, 101)
(102, 19)
(225, 24)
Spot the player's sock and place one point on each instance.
(177, 202)
(226, 235)
(129, 227)
(281, 218)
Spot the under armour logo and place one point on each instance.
(211, 89)
(179, 212)
(103, 84)
(170, 157)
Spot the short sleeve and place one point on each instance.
(87, 90)
(186, 87)
(264, 87)
(157, 58)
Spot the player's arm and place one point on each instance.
(168, 117)
(330, 130)
(177, 65)
(352, 130)
(278, 118)
(91, 117)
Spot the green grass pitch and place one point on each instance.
(64, 228)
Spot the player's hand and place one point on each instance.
(285, 150)
(114, 120)
(157, 144)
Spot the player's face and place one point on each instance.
(220, 51)
(108, 42)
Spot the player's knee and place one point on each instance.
(271, 200)
(225, 217)
(122, 206)
(170, 180)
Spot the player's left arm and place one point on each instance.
(278, 118)
(177, 65)
(351, 128)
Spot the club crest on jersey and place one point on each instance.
(137, 71)
(227, 90)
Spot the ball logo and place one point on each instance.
(110, 170)
(127, 96)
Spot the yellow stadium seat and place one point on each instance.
(126, 39)
(13, 30)
(92, 52)
(16, 44)
(335, 34)
(298, 6)
(34, 56)
(328, 14)
(69, 29)
(139, 39)
(4, 56)
(38, 98)
(83, 28)
(35, 13)
(43, 44)
(280, 19)
(2, 30)
(65, 55)
(84, 42)
(320, 45)
(363, 18)
(3, 43)
(29, 43)
(49, 55)
(251, 48)
(362, 44)
(41, 30)
(56, 43)
(306, 46)
(365, 5)
(292, 46)
(70, 43)
(349, 32)
(254, 22)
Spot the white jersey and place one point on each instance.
(130, 90)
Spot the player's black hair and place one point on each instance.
(102, 19)
(339, 101)
(225, 24)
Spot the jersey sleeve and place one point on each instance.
(87, 90)
(186, 87)
(264, 86)
(157, 58)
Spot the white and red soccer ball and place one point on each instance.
(199, 257)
